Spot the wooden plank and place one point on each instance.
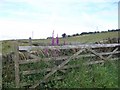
(47, 70)
(112, 53)
(16, 60)
(108, 53)
(33, 56)
(65, 67)
(28, 48)
(101, 61)
(1, 65)
(62, 57)
(95, 53)
(42, 59)
(35, 71)
(57, 68)
(29, 61)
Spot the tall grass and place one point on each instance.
(95, 76)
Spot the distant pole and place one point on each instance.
(97, 28)
(32, 34)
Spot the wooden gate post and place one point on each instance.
(30, 41)
(16, 61)
(0, 65)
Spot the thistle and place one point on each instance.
(57, 40)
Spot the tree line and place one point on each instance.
(64, 35)
(85, 33)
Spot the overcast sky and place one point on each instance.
(19, 18)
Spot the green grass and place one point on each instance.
(95, 76)
(7, 47)
(90, 38)
(85, 77)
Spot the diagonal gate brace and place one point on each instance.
(112, 53)
(55, 69)
(95, 53)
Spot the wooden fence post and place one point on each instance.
(16, 61)
(30, 41)
(0, 65)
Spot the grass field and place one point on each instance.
(95, 76)
(90, 38)
(100, 75)
(92, 76)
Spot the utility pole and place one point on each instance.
(97, 28)
(32, 34)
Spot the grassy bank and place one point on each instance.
(90, 38)
(95, 76)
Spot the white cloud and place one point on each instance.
(22, 29)
(59, 15)
(36, 2)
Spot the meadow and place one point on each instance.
(91, 76)
(90, 38)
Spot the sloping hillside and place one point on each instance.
(89, 38)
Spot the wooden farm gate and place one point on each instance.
(102, 51)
